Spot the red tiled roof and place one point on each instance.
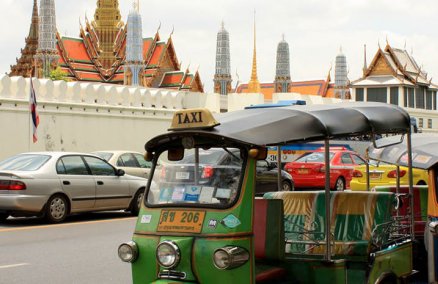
(172, 79)
(83, 66)
(188, 81)
(75, 49)
(156, 55)
(89, 76)
(147, 43)
(314, 87)
(118, 78)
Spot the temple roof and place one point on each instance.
(84, 58)
(398, 64)
(321, 88)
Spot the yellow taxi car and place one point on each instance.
(384, 174)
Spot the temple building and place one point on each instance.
(395, 77)
(282, 82)
(99, 54)
(342, 90)
(254, 84)
(222, 77)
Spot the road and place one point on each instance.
(81, 250)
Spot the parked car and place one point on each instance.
(133, 163)
(308, 171)
(56, 184)
(217, 163)
(385, 174)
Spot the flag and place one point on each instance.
(33, 112)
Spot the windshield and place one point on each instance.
(314, 157)
(27, 162)
(213, 181)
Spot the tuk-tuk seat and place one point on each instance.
(354, 216)
(420, 204)
(268, 239)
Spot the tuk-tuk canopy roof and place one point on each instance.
(424, 150)
(302, 123)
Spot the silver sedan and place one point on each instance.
(132, 163)
(56, 184)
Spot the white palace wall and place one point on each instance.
(84, 117)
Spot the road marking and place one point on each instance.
(14, 265)
(64, 225)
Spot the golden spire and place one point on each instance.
(254, 84)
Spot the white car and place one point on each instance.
(56, 184)
(133, 163)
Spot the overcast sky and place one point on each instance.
(314, 29)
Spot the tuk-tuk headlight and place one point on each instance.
(168, 254)
(230, 257)
(128, 252)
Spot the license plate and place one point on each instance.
(303, 171)
(375, 175)
(182, 175)
(181, 221)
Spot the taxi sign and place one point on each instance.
(193, 119)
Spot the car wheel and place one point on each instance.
(340, 184)
(136, 205)
(56, 209)
(3, 217)
(286, 186)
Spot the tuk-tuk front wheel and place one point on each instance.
(136, 202)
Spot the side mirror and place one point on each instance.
(120, 172)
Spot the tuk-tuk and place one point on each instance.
(424, 147)
(200, 221)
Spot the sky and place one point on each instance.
(314, 29)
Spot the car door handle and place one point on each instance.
(100, 182)
(66, 182)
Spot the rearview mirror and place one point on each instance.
(175, 154)
(120, 172)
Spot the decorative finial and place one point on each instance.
(387, 43)
(404, 45)
(223, 25)
(173, 29)
(283, 36)
(378, 43)
(340, 49)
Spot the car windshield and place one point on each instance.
(26, 162)
(314, 157)
(214, 181)
(103, 155)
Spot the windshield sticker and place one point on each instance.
(178, 193)
(206, 195)
(212, 223)
(192, 193)
(165, 194)
(146, 219)
(231, 221)
(422, 159)
(223, 193)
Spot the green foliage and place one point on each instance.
(58, 74)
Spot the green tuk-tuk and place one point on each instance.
(200, 221)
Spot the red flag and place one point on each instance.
(33, 111)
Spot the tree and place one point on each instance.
(58, 74)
